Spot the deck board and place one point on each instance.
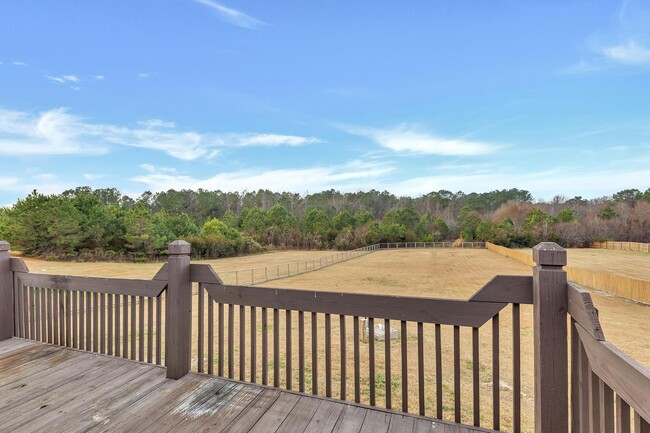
(54, 389)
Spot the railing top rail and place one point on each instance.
(119, 286)
(425, 310)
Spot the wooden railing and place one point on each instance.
(610, 392)
(312, 341)
(330, 344)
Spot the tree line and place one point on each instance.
(103, 224)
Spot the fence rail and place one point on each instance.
(626, 287)
(624, 246)
(252, 276)
(343, 345)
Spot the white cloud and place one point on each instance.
(232, 16)
(543, 184)
(99, 77)
(353, 176)
(150, 168)
(157, 123)
(64, 79)
(72, 78)
(56, 132)
(19, 63)
(629, 53)
(407, 139)
(144, 75)
(269, 140)
(581, 67)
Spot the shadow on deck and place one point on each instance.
(50, 388)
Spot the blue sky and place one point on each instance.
(411, 97)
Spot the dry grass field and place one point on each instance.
(629, 263)
(440, 273)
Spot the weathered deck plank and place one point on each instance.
(49, 388)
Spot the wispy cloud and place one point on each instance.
(19, 63)
(409, 139)
(352, 176)
(99, 77)
(63, 79)
(57, 132)
(157, 123)
(232, 16)
(581, 67)
(144, 75)
(631, 53)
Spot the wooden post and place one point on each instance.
(178, 315)
(550, 338)
(6, 294)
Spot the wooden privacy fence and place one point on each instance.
(313, 341)
(624, 246)
(627, 287)
(262, 274)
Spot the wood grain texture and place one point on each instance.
(506, 288)
(178, 320)
(629, 379)
(426, 310)
(581, 308)
(120, 286)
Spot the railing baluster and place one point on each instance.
(405, 368)
(606, 401)
(102, 320)
(75, 320)
(516, 369)
(594, 402)
(95, 322)
(301, 351)
(265, 347)
(584, 390)
(276, 347)
(438, 372)
(117, 324)
(25, 314)
(150, 331)
(476, 379)
(133, 326)
(242, 342)
(420, 368)
(314, 353)
(343, 357)
(253, 344)
(371, 358)
(141, 330)
(109, 349)
(387, 372)
(50, 316)
(32, 314)
(199, 341)
(457, 408)
(60, 306)
(289, 371)
(68, 320)
(211, 335)
(231, 340)
(622, 416)
(37, 314)
(357, 367)
(55, 309)
(328, 355)
(496, 397)
(43, 314)
(125, 326)
(640, 424)
(221, 338)
(159, 328)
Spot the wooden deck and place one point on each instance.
(55, 389)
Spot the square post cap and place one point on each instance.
(4, 246)
(178, 248)
(549, 254)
